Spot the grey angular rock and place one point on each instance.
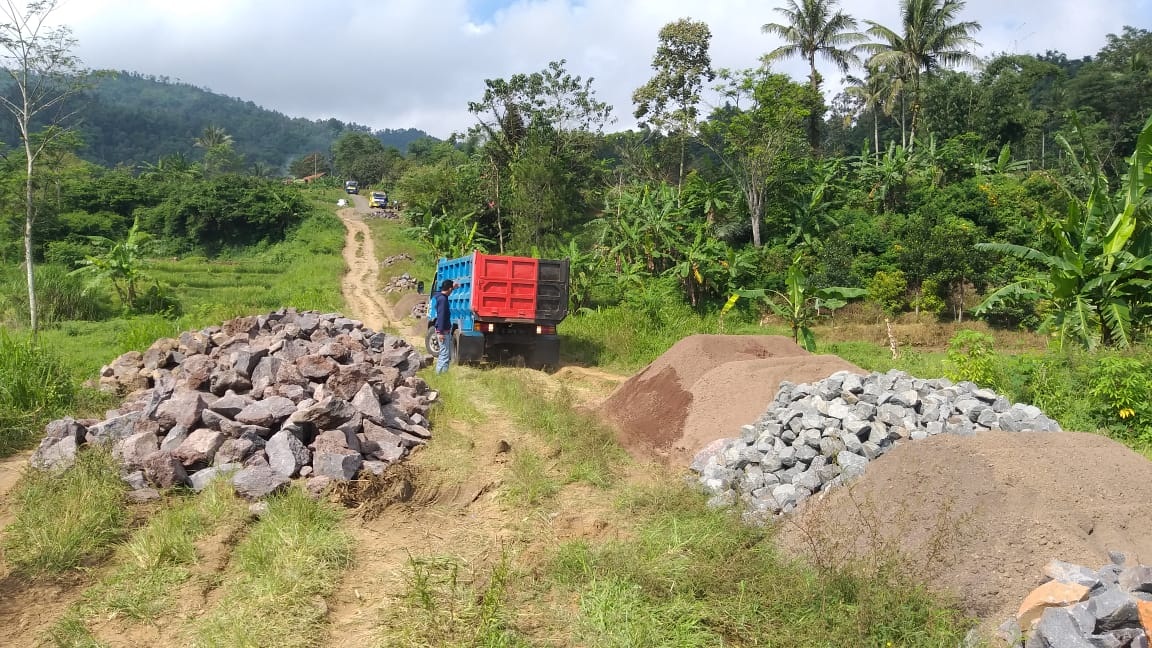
(164, 470)
(809, 479)
(202, 478)
(286, 454)
(268, 413)
(326, 414)
(255, 482)
(1136, 578)
(133, 450)
(198, 450)
(1113, 609)
(55, 454)
(113, 429)
(182, 409)
(336, 465)
(1057, 629)
(65, 427)
(1066, 572)
(367, 402)
(851, 465)
(229, 405)
(830, 447)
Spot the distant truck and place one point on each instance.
(351, 186)
(503, 307)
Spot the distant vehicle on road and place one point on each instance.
(378, 200)
(352, 187)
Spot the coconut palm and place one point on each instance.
(815, 27)
(876, 92)
(812, 28)
(931, 38)
(211, 137)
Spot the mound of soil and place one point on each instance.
(979, 517)
(403, 307)
(704, 388)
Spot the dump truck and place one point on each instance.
(503, 307)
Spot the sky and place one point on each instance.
(417, 63)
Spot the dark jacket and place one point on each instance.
(440, 307)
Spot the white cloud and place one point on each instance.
(401, 63)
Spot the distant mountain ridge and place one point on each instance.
(130, 118)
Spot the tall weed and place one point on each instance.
(34, 387)
(59, 297)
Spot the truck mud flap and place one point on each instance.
(469, 347)
(545, 353)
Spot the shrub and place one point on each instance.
(971, 357)
(1120, 387)
(887, 290)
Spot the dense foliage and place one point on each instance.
(925, 187)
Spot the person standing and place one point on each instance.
(443, 324)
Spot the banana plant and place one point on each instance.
(800, 303)
(1095, 268)
(121, 263)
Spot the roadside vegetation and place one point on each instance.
(64, 522)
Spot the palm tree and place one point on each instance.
(876, 92)
(931, 38)
(813, 28)
(211, 137)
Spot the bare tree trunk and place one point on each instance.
(29, 218)
(876, 134)
(680, 175)
(756, 209)
(499, 220)
(903, 123)
(891, 338)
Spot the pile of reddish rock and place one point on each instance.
(258, 400)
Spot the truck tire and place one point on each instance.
(432, 341)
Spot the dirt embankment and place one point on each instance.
(704, 388)
(979, 517)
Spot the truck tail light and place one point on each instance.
(484, 327)
(545, 330)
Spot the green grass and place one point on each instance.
(530, 481)
(62, 521)
(303, 271)
(272, 593)
(449, 603)
(454, 455)
(389, 239)
(70, 631)
(587, 450)
(689, 575)
(159, 556)
(35, 386)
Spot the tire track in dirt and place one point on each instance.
(359, 285)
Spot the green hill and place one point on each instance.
(129, 118)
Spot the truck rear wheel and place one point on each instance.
(432, 341)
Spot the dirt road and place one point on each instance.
(360, 285)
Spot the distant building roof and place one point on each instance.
(314, 176)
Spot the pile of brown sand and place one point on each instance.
(704, 388)
(979, 517)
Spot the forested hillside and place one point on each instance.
(128, 118)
